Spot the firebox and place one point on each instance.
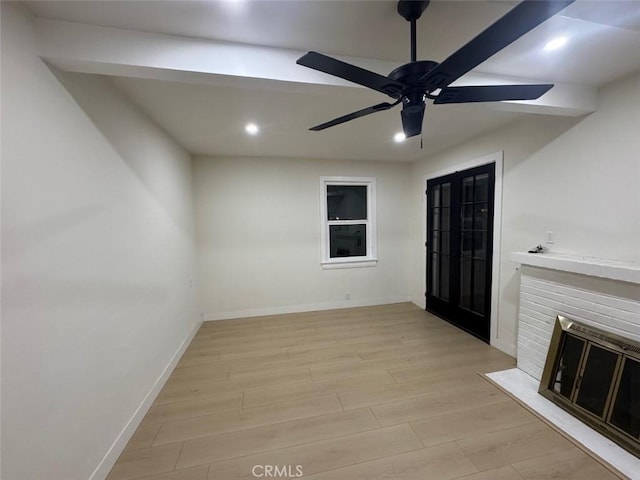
(595, 376)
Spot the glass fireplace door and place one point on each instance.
(595, 376)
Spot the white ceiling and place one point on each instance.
(211, 119)
(604, 44)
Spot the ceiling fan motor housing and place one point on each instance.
(411, 74)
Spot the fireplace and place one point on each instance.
(604, 296)
(595, 376)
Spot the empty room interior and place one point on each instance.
(330, 240)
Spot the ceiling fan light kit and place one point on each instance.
(414, 83)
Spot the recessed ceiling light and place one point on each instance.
(399, 137)
(555, 44)
(251, 128)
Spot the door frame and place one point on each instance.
(497, 158)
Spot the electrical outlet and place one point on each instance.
(347, 296)
(550, 238)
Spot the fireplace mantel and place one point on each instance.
(593, 267)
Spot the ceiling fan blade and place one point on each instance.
(491, 93)
(351, 116)
(412, 120)
(524, 17)
(349, 72)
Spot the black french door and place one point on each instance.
(459, 248)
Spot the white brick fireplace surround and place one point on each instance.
(600, 293)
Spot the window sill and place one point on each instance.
(360, 263)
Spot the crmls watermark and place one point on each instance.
(277, 471)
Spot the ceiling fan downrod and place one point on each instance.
(414, 48)
(411, 11)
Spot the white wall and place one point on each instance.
(98, 253)
(258, 223)
(575, 177)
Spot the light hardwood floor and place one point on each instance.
(386, 392)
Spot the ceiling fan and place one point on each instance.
(415, 82)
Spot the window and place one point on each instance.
(348, 221)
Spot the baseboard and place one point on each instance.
(106, 464)
(421, 302)
(260, 312)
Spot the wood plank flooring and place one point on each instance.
(365, 393)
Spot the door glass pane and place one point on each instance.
(348, 240)
(465, 283)
(467, 189)
(480, 213)
(567, 369)
(466, 247)
(626, 411)
(444, 277)
(435, 244)
(435, 277)
(446, 194)
(467, 217)
(347, 202)
(479, 286)
(482, 188)
(596, 380)
(444, 247)
(436, 219)
(480, 245)
(444, 225)
(435, 196)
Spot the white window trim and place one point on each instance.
(371, 259)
